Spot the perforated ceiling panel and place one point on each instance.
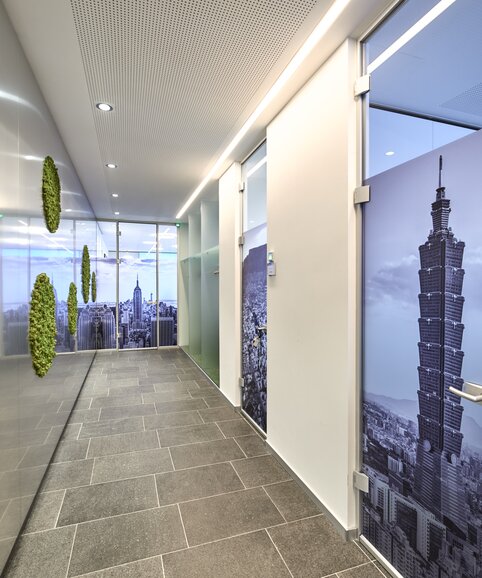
(179, 74)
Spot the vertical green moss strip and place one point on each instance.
(94, 287)
(51, 195)
(42, 330)
(85, 274)
(72, 306)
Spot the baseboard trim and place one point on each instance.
(383, 561)
(347, 535)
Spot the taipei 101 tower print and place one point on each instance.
(437, 473)
(423, 510)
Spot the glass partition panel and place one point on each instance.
(137, 285)
(167, 283)
(97, 320)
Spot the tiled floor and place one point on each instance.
(157, 476)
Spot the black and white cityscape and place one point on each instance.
(254, 357)
(423, 511)
(96, 325)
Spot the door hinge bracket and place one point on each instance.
(361, 482)
(361, 195)
(242, 186)
(362, 85)
(241, 382)
(241, 240)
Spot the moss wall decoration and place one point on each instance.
(51, 195)
(72, 309)
(42, 330)
(85, 274)
(94, 287)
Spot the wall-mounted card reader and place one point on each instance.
(271, 264)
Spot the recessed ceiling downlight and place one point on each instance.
(116, 213)
(104, 106)
(115, 195)
(389, 153)
(111, 165)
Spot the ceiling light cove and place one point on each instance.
(104, 106)
(111, 165)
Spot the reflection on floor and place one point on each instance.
(33, 413)
(158, 476)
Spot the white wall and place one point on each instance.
(229, 283)
(312, 300)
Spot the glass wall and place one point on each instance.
(199, 266)
(422, 433)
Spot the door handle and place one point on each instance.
(262, 328)
(471, 391)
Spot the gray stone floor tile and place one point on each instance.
(292, 501)
(37, 456)
(312, 548)
(9, 459)
(130, 465)
(5, 548)
(172, 420)
(113, 541)
(116, 401)
(24, 439)
(68, 404)
(44, 554)
(53, 419)
(368, 570)
(223, 516)
(163, 396)
(107, 499)
(68, 475)
(70, 432)
(214, 400)
(195, 483)
(236, 427)
(45, 512)
(140, 410)
(84, 415)
(130, 389)
(218, 414)
(13, 517)
(174, 385)
(123, 443)
(260, 470)
(20, 483)
(205, 453)
(249, 556)
(71, 450)
(111, 427)
(253, 446)
(189, 434)
(150, 568)
(182, 405)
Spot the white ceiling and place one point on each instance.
(182, 75)
(179, 73)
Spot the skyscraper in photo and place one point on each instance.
(137, 306)
(437, 471)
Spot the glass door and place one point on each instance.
(254, 289)
(422, 328)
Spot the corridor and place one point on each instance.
(157, 476)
